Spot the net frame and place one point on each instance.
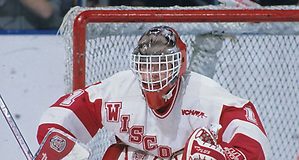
(152, 15)
(114, 15)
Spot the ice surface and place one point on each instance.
(31, 78)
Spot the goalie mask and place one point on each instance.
(159, 61)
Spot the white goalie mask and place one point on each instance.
(156, 71)
(158, 62)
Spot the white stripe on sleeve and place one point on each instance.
(248, 129)
(66, 118)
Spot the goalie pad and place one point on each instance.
(202, 145)
(58, 145)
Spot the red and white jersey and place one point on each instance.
(118, 104)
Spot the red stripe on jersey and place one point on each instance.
(230, 113)
(247, 113)
(43, 129)
(89, 113)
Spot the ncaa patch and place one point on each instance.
(57, 143)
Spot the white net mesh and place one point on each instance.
(258, 61)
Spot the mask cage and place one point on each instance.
(155, 72)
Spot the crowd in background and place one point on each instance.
(48, 14)
(32, 14)
(157, 3)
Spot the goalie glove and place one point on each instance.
(58, 145)
(202, 145)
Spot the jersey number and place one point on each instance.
(250, 116)
(71, 98)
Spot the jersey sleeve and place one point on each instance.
(73, 114)
(242, 135)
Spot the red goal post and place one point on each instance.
(253, 52)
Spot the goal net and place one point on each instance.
(253, 52)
